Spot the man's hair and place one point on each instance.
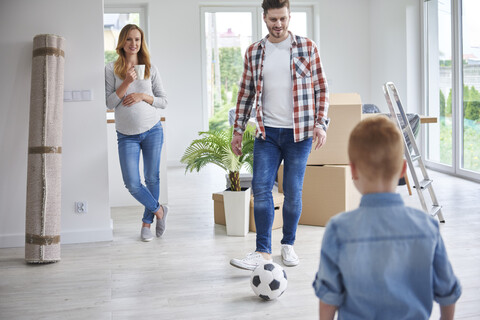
(275, 4)
(376, 148)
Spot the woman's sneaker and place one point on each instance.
(161, 223)
(289, 257)
(146, 235)
(250, 262)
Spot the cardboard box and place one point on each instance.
(327, 190)
(219, 211)
(345, 112)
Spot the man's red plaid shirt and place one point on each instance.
(310, 92)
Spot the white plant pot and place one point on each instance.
(237, 211)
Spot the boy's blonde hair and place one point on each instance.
(376, 148)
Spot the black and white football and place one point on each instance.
(269, 281)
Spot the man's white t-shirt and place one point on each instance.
(277, 85)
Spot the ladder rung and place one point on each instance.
(415, 157)
(424, 184)
(434, 210)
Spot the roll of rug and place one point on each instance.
(43, 211)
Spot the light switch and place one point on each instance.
(87, 95)
(77, 95)
(67, 96)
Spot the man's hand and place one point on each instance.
(320, 137)
(237, 144)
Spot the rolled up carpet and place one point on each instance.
(43, 210)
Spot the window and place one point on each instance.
(114, 19)
(226, 33)
(452, 78)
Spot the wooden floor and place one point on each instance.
(186, 274)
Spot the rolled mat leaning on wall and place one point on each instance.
(43, 208)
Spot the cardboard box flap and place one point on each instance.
(218, 196)
(345, 99)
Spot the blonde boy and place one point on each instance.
(383, 260)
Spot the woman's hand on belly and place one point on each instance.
(133, 98)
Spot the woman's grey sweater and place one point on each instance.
(141, 116)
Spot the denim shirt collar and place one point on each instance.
(381, 199)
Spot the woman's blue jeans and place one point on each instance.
(129, 147)
(268, 154)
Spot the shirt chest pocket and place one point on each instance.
(302, 66)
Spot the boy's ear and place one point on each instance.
(353, 169)
(404, 169)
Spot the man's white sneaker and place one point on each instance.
(250, 262)
(289, 257)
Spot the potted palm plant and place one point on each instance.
(214, 147)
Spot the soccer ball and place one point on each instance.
(268, 281)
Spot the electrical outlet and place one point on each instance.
(81, 207)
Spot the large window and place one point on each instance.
(452, 65)
(226, 33)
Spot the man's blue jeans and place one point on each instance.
(129, 147)
(268, 154)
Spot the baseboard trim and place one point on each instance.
(67, 237)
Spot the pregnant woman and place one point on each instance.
(137, 100)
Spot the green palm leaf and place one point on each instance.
(214, 147)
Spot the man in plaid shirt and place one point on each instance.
(283, 77)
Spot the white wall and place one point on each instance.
(345, 46)
(84, 158)
(414, 64)
(395, 54)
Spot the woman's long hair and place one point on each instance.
(120, 66)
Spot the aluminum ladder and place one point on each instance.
(390, 91)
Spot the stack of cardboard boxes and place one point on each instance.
(328, 187)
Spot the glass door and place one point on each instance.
(452, 86)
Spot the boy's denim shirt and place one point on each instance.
(384, 261)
